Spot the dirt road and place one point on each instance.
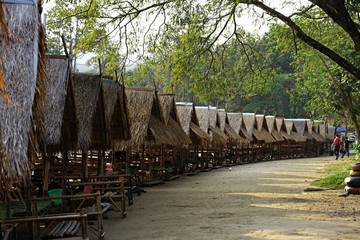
(265, 200)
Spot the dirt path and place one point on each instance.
(254, 201)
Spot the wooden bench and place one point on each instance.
(80, 199)
(103, 187)
(81, 217)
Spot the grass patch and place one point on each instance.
(335, 173)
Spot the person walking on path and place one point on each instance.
(337, 145)
(346, 146)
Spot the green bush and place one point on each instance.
(336, 173)
(356, 147)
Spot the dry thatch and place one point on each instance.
(161, 133)
(263, 129)
(233, 136)
(291, 130)
(88, 101)
(58, 73)
(234, 120)
(249, 121)
(178, 133)
(271, 125)
(202, 115)
(281, 128)
(309, 125)
(212, 116)
(115, 111)
(163, 126)
(300, 125)
(218, 138)
(198, 136)
(185, 111)
(19, 71)
(139, 103)
(221, 119)
(166, 105)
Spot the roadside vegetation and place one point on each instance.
(338, 171)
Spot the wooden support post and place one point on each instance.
(101, 159)
(99, 217)
(85, 161)
(46, 168)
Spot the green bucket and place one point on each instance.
(3, 211)
(55, 193)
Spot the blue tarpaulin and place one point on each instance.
(31, 2)
(340, 129)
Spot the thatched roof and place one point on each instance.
(309, 125)
(166, 105)
(291, 130)
(161, 133)
(19, 71)
(178, 133)
(261, 126)
(270, 122)
(234, 120)
(233, 136)
(249, 121)
(300, 125)
(169, 133)
(56, 91)
(139, 103)
(198, 136)
(271, 125)
(302, 129)
(89, 103)
(218, 138)
(115, 111)
(185, 111)
(221, 118)
(281, 128)
(202, 115)
(212, 116)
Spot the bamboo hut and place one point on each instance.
(192, 160)
(93, 138)
(323, 132)
(300, 141)
(164, 137)
(115, 112)
(219, 140)
(130, 155)
(272, 128)
(202, 115)
(59, 101)
(257, 142)
(177, 141)
(301, 129)
(24, 78)
(314, 131)
(116, 122)
(60, 117)
(289, 146)
(264, 137)
(242, 138)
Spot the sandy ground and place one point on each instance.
(264, 200)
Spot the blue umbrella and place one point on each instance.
(340, 130)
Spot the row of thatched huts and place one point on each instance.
(91, 120)
(57, 124)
